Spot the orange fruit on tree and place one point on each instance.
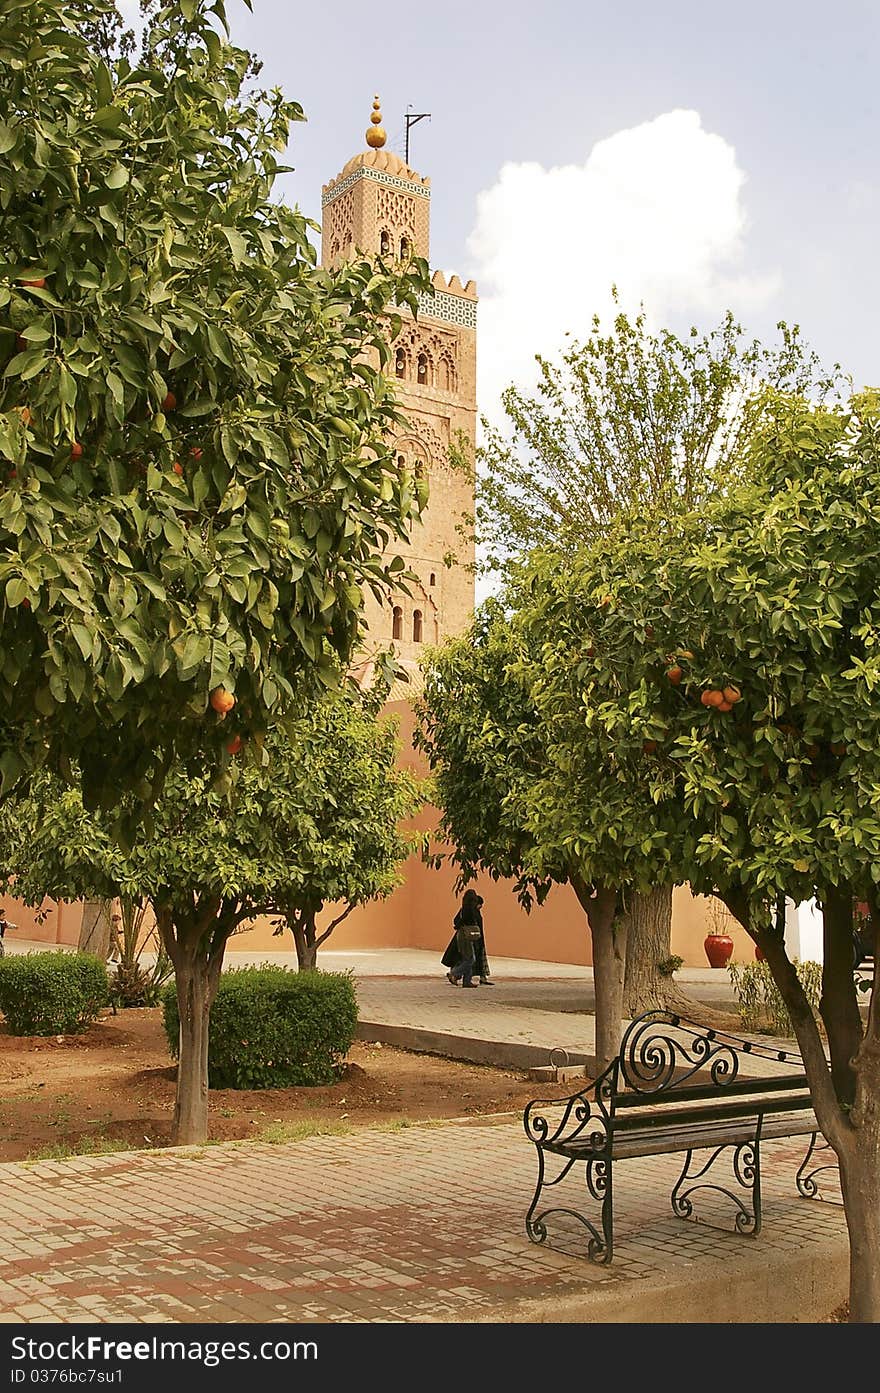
(674, 674)
(169, 401)
(76, 450)
(25, 414)
(39, 284)
(732, 694)
(221, 700)
(234, 745)
(177, 467)
(196, 452)
(706, 697)
(715, 698)
(724, 705)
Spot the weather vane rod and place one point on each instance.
(412, 118)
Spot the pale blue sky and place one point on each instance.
(786, 94)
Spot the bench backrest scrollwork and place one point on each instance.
(661, 1050)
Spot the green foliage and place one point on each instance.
(273, 1028)
(320, 820)
(667, 967)
(772, 593)
(627, 423)
(758, 999)
(197, 487)
(478, 728)
(51, 993)
(329, 805)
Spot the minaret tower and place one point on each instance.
(378, 206)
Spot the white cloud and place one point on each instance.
(656, 210)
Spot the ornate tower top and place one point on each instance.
(375, 135)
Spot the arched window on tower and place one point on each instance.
(433, 580)
(417, 626)
(422, 369)
(404, 248)
(400, 363)
(384, 243)
(397, 622)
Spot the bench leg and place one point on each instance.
(805, 1179)
(746, 1165)
(600, 1248)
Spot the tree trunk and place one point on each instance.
(860, 1184)
(195, 940)
(94, 932)
(194, 1008)
(645, 988)
(302, 926)
(838, 1006)
(608, 932)
(860, 1169)
(853, 1132)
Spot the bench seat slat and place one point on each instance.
(651, 1141)
(781, 1083)
(709, 1111)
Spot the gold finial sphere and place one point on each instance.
(375, 135)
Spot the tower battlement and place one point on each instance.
(454, 286)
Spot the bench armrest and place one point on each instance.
(582, 1117)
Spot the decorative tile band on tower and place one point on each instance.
(392, 181)
(454, 309)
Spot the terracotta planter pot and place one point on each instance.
(718, 949)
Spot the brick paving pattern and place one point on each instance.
(424, 1223)
(419, 1224)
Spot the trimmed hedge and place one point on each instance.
(274, 1028)
(52, 993)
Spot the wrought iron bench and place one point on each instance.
(675, 1086)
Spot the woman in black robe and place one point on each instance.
(470, 914)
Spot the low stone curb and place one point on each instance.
(503, 1054)
(761, 1287)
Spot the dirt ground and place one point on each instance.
(113, 1087)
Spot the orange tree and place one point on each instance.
(765, 608)
(195, 484)
(628, 421)
(319, 822)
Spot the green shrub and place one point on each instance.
(758, 999)
(667, 966)
(51, 993)
(274, 1028)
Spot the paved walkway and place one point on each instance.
(417, 1224)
